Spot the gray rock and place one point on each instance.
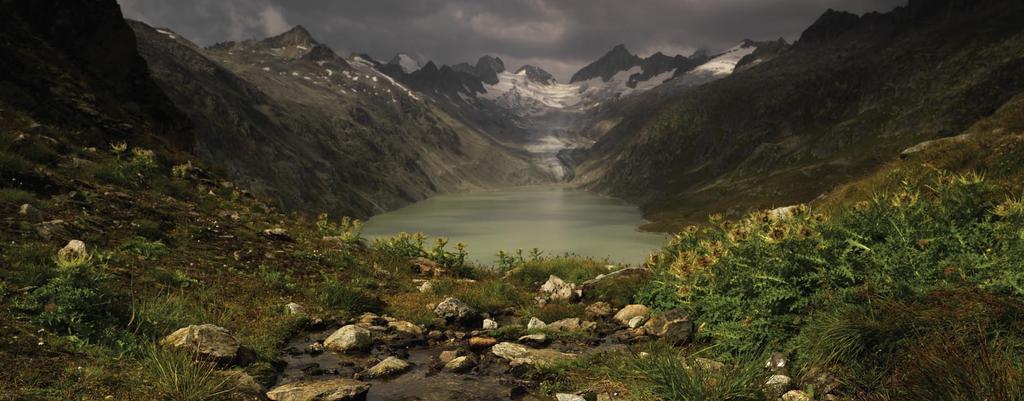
(796, 395)
(390, 366)
(534, 340)
(636, 321)
(73, 249)
(598, 310)
(678, 332)
(535, 324)
(518, 355)
(405, 328)
(630, 311)
(776, 385)
(556, 289)
(349, 339)
(490, 324)
(295, 309)
(320, 390)
(278, 233)
(569, 397)
(244, 383)
(461, 364)
(207, 340)
(778, 363)
(453, 310)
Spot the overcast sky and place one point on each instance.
(558, 35)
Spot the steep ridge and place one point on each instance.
(60, 64)
(851, 94)
(289, 119)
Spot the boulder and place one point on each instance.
(677, 332)
(279, 234)
(535, 324)
(452, 310)
(490, 324)
(636, 321)
(569, 397)
(447, 355)
(778, 364)
(571, 324)
(461, 364)
(796, 395)
(776, 385)
(350, 338)
(73, 250)
(427, 267)
(556, 289)
(390, 366)
(630, 311)
(480, 343)
(534, 340)
(405, 328)
(673, 326)
(320, 390)
(598, 310)
(294, 309)
(244, 383)
(519, 355)
(427, 286)
(208, 341)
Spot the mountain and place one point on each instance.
(405, 62)
(289, 119)
(58, 62)
(536, 74)
(849, 96)
(617, 59)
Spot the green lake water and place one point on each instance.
(553, 219)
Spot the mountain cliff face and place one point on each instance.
(850, 94)
(289, 119)
(75, 63)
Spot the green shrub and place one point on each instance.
(145, 248)
(348, 230)
(14, 165)
(77, 301)
(181, 376)
(753, 283)
(135, 169)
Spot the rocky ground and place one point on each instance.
(468, 355)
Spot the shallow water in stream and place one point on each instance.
(420, 383)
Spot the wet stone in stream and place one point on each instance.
(426, 380)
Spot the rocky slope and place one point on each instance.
(290, 119)
(851, 94)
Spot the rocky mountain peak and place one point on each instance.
(617, 59)
(297, 36)
(406, 62)
(488, 68)
(829, 25)
(536, 74)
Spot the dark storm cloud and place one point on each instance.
(558, 35)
